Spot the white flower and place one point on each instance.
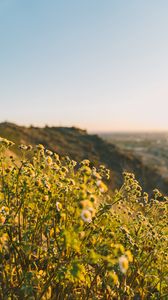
(4, 210)
(123, 264)
(58, 206)
(86, 216)
(98, 183)
(102, 187)
(23, 147)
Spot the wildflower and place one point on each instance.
(114, 277)
(23, 147)
(71, 182)
(4, 210)
(38, 182)
(29, 147)
(64, 169)
(92, 210)
(48, 152)
(93, 199)
(81, 234)
(86, 204)
(58, 206)
(47, 184)
(157, 193)
(74, 163)
(129, 256)
(98, 183)
(2, 220)
(45, 198)
(3, 241)
(86, 215)
(123, 264)
(56, 157)
(96, 175)
(40, 147)
(102, 187)
(6, 142)
(85, 170)
(63, 217)
(31, 173)
(85, 162)
(49, 160)
(55, 167)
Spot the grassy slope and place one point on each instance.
(79, 145)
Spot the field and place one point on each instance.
(64, 235)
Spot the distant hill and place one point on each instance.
(150, 147)
(78, 144)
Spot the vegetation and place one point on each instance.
(79, 145)
(63, 235)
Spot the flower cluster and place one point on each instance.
(64, 235)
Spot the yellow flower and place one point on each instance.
(3, 241)
(40, 147)
(2, 219)
(85, 162)
(114, 277)
(86, 204)
(81, 234)
(6, 142)
(49, 160)
(129, 255)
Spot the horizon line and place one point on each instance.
(92, 131)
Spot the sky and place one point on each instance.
(101, 65)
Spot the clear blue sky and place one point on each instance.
(96, 64)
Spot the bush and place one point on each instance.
(63, 235)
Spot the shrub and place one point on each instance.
(63, 235)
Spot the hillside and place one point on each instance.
(79, 145)
(150, 147)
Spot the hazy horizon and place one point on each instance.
(105, 132)
(97, 65)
